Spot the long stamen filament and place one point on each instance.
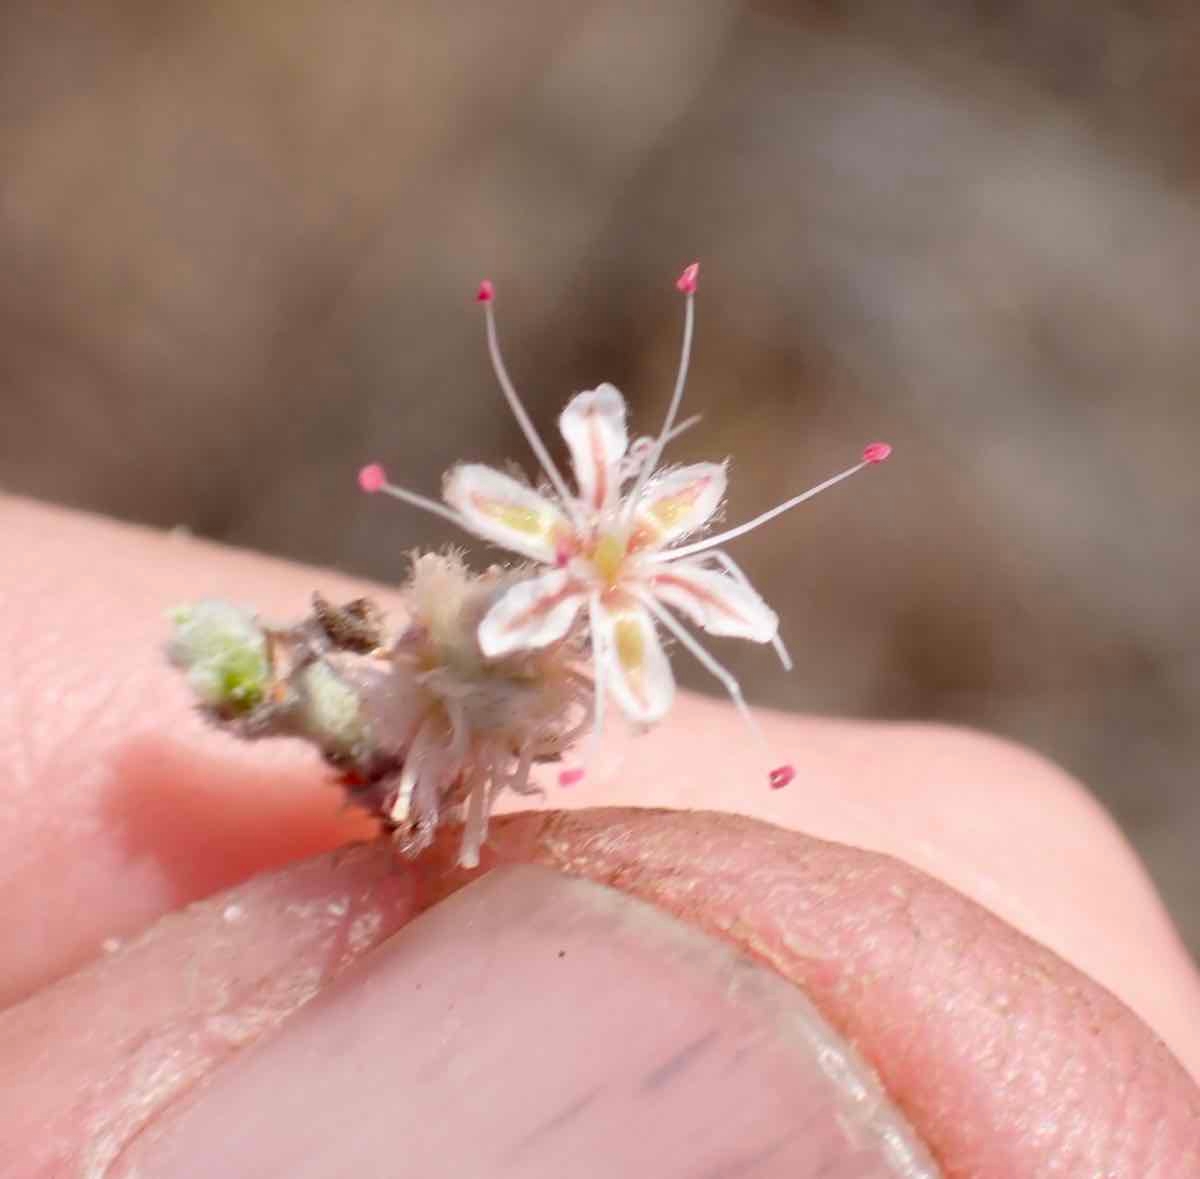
(722, 673)
(655, 452)
(575, 774)
(735, 571)
(631, 465)
(523, 420)
(781, 775)
(741, 529)
(372, 480)
(598, 670)
(682, 428)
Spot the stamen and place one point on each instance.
(735, 571)
(781, 775)
(877, 452)
(597, 667)
(713, 541)
(682, 428)
(692, 644)
(686, 283)
(581, 761)
(640, 448)
(486, 296)
(373, 478)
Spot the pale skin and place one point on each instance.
(120, 807)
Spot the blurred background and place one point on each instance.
(239, 242)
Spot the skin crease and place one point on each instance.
(1010, 1061)
(104, 754)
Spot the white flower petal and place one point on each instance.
(714, 601)
(678, 502)
(632, 663)
(533, 613)
(505, 511)
(593, 425)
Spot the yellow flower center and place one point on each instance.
(631, 647)
(608, 556)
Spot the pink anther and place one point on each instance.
(687, 282)
(877, 452)
(372, 478)
(781, 776)
(571, 777)
(486, 292)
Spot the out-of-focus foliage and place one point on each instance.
(238, 243)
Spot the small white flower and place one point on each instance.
(608, 556)
(615, 551)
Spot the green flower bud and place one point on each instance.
(224, 652)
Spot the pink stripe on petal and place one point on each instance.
(532, 614)
(715, 601)
(702, 596)
(540, 607)
(593, 427)
(600, 463)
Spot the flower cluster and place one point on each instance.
(417, 723)
(496, 673)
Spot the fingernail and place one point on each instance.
(534, 1025)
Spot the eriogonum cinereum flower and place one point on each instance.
(616, 552)
(608, 558)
